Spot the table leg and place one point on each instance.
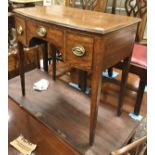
(54, 51)
(125, 70)
(140, 93)
(83, 80)
(45, 57)
(21, 66)
(96, 82)
(38, 58)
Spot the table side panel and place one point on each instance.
(118, 45)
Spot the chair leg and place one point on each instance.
(125, 71)
(140, 94)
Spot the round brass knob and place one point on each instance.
(20, 30)
(41, 31)
(78, 50)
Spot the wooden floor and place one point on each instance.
(110, 91)
(66, 111)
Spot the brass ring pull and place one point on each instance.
(20, 30)
(78, 50)
(41, 31)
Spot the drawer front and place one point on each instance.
(79, 50)
(46, 32)
(56, 36)
(36, 29)
(21, 29)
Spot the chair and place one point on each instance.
(138, 64)
(138, 147)
(31, 60)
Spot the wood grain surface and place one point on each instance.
(91, 21)
(21, 122)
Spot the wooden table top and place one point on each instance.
(25, 1)
(21, 122)
(86, 20)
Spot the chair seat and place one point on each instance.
(139, 55)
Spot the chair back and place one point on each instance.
(136, 8)
(138, 147)
(96, 5)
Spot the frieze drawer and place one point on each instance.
(79, 50)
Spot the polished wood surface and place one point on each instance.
(110, 90)
(25, 1)
(48, 142)
(66, 111)
(99, 35)
(78, 19)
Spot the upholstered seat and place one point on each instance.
(139, 55)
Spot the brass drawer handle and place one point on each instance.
(41, 31)
(78, 50)
(20, 30)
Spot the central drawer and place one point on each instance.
(79, 50)
(47, 32)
